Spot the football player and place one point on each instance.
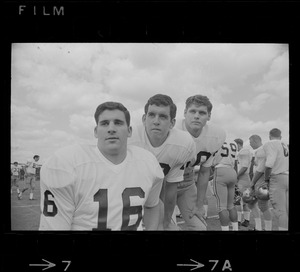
(276, 175)
(30, 176)
(258, 181)
(208, 139)
(173, 149)
(15, 175)
(244, 158)
(108, 186)
(225, 179)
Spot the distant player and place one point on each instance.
(225, 179)
(108, 186)
(276, 175)
(15, 176)
(22, 173)
(173, 149)
(192, 200)
(258, 181)
(30, 176)
(252, 166)
(244, 158)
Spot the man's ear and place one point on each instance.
(129, 131)
(144, 118)
(95, 132)
(173, 122)
(209, 116)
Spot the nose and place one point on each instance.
(156, 120)
(111, 127)
(197, 115)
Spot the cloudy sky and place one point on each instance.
(56, 88)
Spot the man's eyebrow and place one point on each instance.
(163, 114)
(119, 120)
(198, 110)
(114, 120)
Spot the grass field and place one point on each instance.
(25, 213)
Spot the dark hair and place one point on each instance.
(275, 132)
(112, 106)
(162, 100)
(36, 156)
(239, 141)
(199, 100)
(256, 138)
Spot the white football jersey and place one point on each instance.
(277, 156)
(260, 160)
(226, 155)
(208, 143)
(172, 155)
(82, 190)
(244, 158)
(15, 170)
(31, 166)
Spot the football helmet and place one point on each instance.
(262, 192)
(248, 196)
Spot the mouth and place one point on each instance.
(112, 138)
(155, 129)
(196, 123)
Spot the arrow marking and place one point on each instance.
(197, 265)
(48, 265)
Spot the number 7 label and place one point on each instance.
(68, 264)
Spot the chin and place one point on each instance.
(196, 127)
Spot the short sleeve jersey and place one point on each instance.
(82, 190)
(31, 166)
(226, 155)
(277, 156)
(15, 170)
(207, 143)
(244, 158)
(260, 159)
(173, 155)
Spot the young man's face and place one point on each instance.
(196, 116)
(112, 132)
(158, 122)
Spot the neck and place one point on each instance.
(194, 132)
(114, 157)
(156, 142)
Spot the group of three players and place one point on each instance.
(134, 177)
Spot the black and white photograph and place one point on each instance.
(149, 136)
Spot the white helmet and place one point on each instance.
(262, 192)
(248, 196)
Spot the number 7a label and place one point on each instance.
(226, 265)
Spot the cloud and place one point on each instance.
(238, 125)
(256, 104)
(82, 125)
(276, 80)
(57, 87)
(26, 117)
